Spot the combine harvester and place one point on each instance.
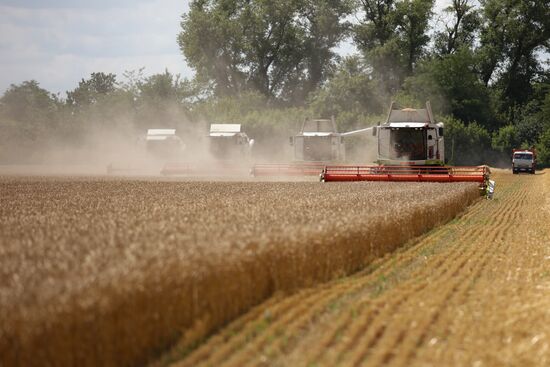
(317, 144)
(229, 151)
(410, 149)
(153, 150)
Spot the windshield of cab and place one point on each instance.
(526, 156)
(317, 148)
(403, 144)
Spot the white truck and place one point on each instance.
(524, 160)
(411, 136)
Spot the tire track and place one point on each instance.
(444, 328)
(400, 336)
(301, 322)
(395, 331)
(457, 283)
(452, 286)
(297, 325)
(342, 324)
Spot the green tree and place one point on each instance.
(545, 108)
(512, 35)
(279, 48)
(543, 149)
(165, 87)
(163, 100)
(529, 123)
(454, 87)
(91, 90)
(375, 36)
(132, 79)
(98, 103)
(350, 90)
(324, 30)
(29, 103)
(393, 37)
(412, 22)
(466, 144)
(459, 30)
(30, 117)
(505, 139)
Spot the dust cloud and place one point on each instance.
(122, 150)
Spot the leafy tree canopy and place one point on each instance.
(513, 32)
(454, 87)
(28, 102)
(283, 49)
(461, 23)
(351, 89)
(91, 90)
(393, 36)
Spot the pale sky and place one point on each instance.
(59, 42)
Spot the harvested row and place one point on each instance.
(112, 272)
(472, 292)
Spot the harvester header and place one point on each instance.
(478, 174)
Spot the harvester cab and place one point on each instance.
(411, 136)
(154, 148)
(318, 141)
(228, 142)
(163, 143)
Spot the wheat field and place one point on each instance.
(474, 292)
(112, 272)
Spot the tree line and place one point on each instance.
(267, 64)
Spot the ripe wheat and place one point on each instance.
(111, 272)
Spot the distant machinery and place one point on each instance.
(317, 143)
(229, 142)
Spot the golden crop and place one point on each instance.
(474, 291)
(111, 272)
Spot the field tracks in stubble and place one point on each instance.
(451, 276)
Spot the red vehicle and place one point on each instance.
(524, 160)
